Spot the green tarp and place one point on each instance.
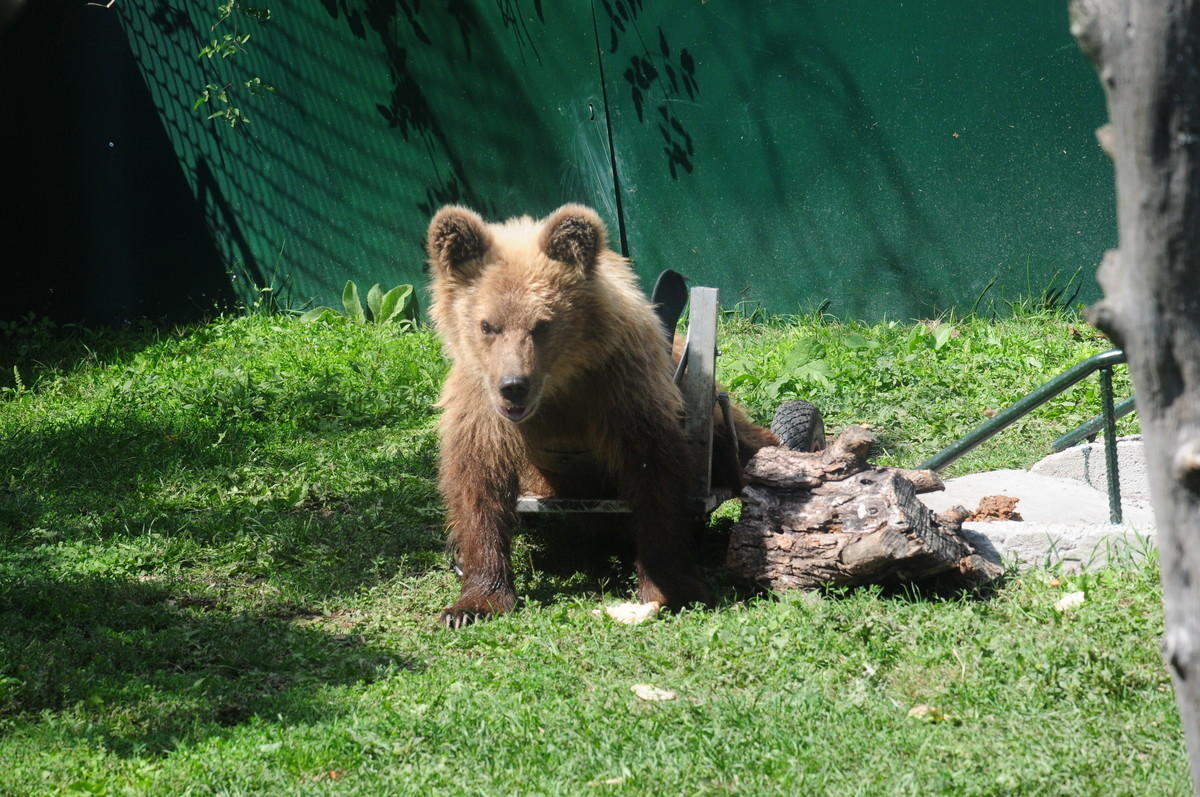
(889, 158)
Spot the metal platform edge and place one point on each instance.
(533, 504)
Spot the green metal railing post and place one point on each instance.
(1110, 445)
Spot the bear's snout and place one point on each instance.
(515, 391)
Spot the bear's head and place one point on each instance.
(517, 302)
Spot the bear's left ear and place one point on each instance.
(574, 234)
(458, 238)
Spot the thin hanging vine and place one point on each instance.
(226, 97)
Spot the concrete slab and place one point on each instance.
(1064, 519)
(1089, 464)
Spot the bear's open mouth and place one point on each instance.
(514, 414)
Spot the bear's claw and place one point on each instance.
(455, 619)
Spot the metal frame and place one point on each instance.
(1108, 419)
(699, 363)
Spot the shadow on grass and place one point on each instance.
(155, 580)
(569, 556)
(143, 667)
(32, 348)
(119, 478)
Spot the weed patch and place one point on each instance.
(922, 385)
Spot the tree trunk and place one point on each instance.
(1148, 57)
(830, 517)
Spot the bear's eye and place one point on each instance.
(541, 328)
(487, 328)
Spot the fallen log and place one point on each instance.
(832, 518)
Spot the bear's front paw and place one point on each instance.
(473, 607)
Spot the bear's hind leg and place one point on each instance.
(664, 528)
(667, 570)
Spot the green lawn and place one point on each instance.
(221, 566)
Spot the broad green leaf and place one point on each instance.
(318, 314)
(778, 388)
(350, 300)
(412, 309)
(854, 340)
(802, 353)
(388, 307)
(817, 371)
(739, 380)
(395, 303)
(374, 300)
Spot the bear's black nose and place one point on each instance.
(515, 389)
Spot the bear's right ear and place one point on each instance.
(458, 238)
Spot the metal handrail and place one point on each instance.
(1101, 362)
(1090, 428)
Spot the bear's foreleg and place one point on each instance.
(479, 486)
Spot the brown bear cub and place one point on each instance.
(560, 385)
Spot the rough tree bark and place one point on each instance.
(831, 517)
(1147, 53)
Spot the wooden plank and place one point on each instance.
(699, 388)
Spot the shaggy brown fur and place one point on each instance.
(560, 385)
